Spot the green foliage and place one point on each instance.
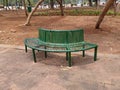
(48, 13)
(110, 12)
(78, 12)
(71, 12)
(74, 12)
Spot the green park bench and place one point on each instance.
(60, 41)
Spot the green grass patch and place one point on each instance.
(74, 12)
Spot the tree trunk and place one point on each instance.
(25, 8)
(52, 4)
(31, 13)
(118, 7)
(61, 7)
(82, 3)
(7, 5)
(101, 17)
(4, 3)
(90, 2)
(29, 2)
(96, 3)
(115, 8)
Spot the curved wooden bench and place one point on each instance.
(60, 41)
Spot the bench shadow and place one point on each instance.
(59, 59)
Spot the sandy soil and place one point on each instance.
(13, 31)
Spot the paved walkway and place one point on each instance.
(19, 72)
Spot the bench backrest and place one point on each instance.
(61, 36)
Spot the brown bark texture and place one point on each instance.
(101, 17)
(25, 8)
(31, 13)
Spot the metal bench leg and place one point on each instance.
(83, 53)
(69, 59)
(95, 53)
(45, 54)
(66, 56)
(25, 48)
(33, 50)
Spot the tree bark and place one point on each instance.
(96, 3)
(25, 8)
(115, 8)
(52, 4)
(118, 7)
(101, 17)
(61, 7)
(31, 13)
(7, 5)
(29, 2)
(90, 2)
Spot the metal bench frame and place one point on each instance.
(60, 41)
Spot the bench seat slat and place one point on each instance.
(36, 43)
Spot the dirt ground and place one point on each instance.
(52, 73)
(13, 31)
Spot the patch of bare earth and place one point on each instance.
(12, 30)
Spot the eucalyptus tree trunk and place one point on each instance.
(31, 13)
(7, 4)
(61, 7)
(29, 2)
(25, 8)
(118, 7)
(101, 17)
(90, 2)
(115, 8)
(52, 4)
(3, 2)
(96, 3)
(82, 3)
